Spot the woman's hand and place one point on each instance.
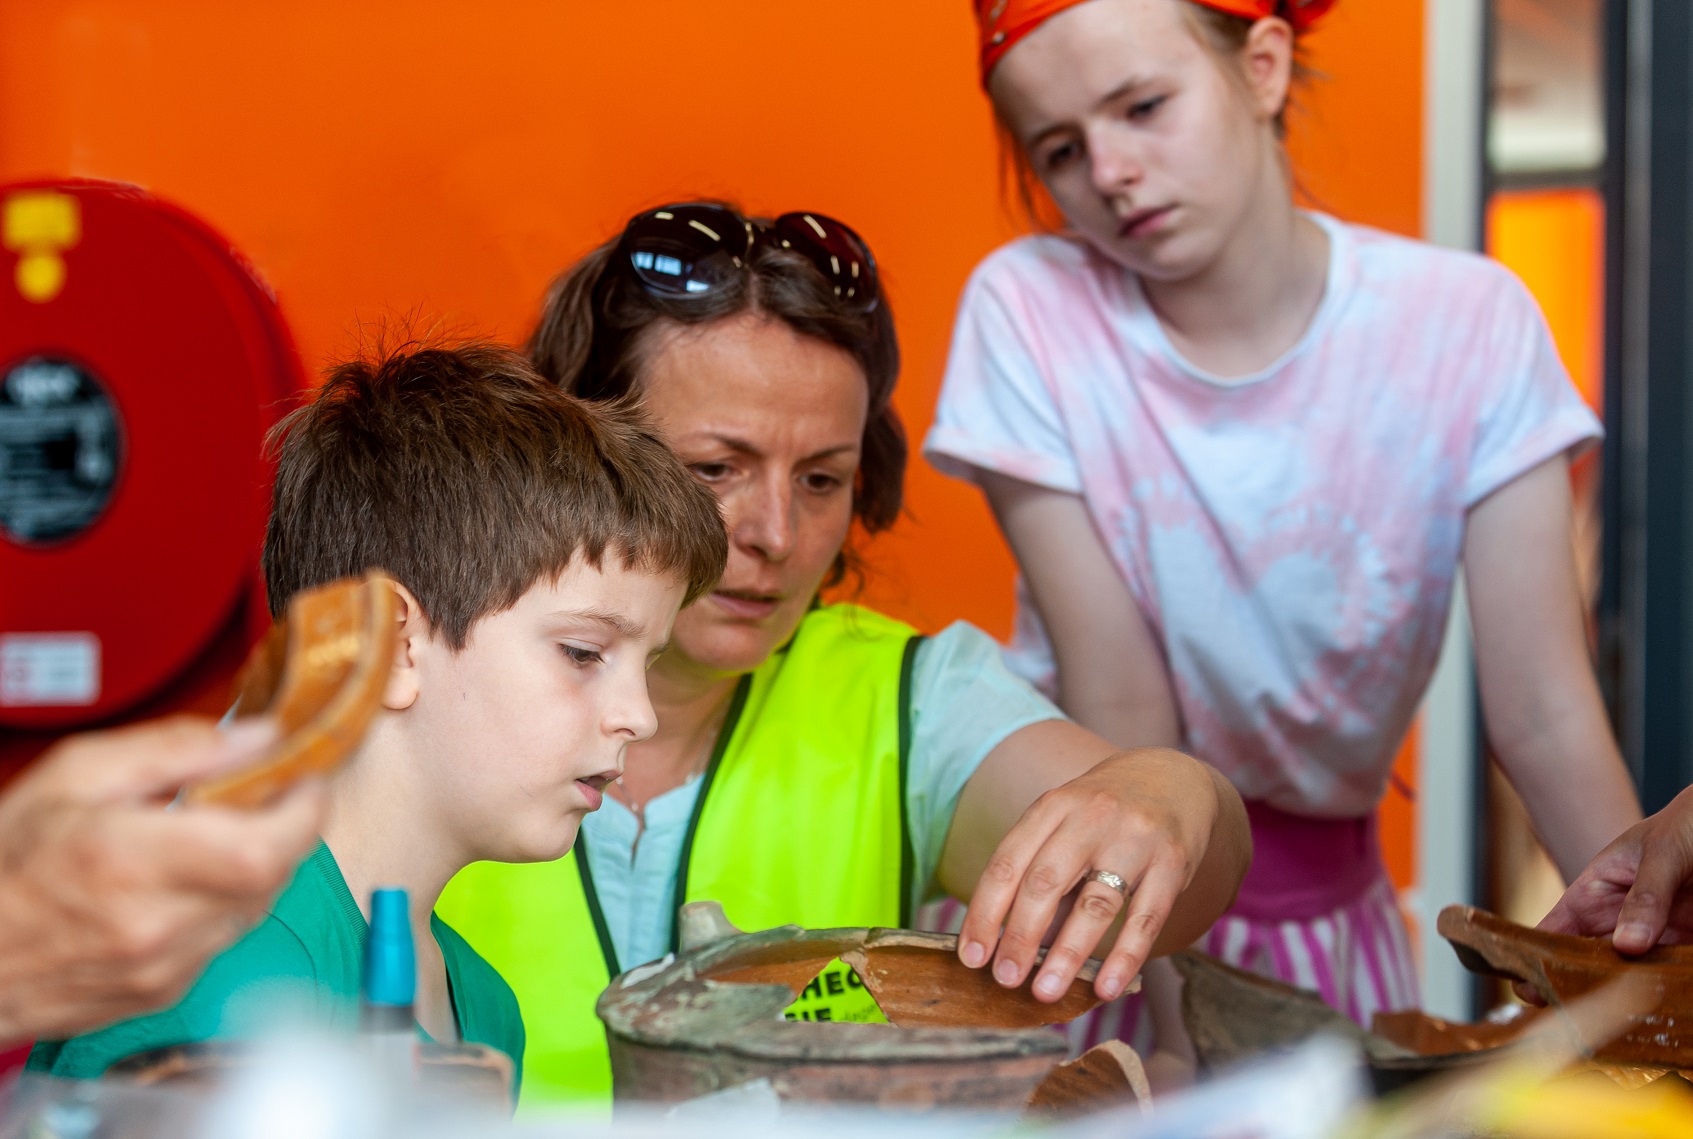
(111, 905)
(1171, 828)
(1639, 890)
(1056, 801)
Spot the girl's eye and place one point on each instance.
(582, 658)
(821, 483)
(1061, 155)
(710, 472)
(1145, 107)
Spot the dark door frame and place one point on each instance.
(1646, 593)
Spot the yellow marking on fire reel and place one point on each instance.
(39, 225)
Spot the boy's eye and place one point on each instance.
(1145, 107)
(582, 658)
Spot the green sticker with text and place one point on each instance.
(837, 993)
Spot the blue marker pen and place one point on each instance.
(390, 986)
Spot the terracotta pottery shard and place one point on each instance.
(1623, 1075)
(1233, 1015)
(1564, 968)
(701, 923)
(319, 673)
(1107, 1075)
(918, 981)
(1442, 1044)
(790, 963)
(1427, 1035)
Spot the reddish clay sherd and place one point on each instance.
(319, 673)
(1564, 968)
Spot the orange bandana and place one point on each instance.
(1001, 23)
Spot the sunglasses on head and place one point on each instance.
(693, 249)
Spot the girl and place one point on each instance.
(1240, 451)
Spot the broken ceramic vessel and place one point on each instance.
(712, 1018)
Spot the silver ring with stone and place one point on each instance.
(1110, 881)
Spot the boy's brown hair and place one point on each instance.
(467, 478)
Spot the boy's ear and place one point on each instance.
(411, 630)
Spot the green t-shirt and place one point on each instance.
(303, 963)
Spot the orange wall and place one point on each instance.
(1555, 241)
(444, 159)
(1356, 134)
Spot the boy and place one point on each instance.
(541, 549)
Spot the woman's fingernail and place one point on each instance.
(973, 953)
(1048, 985)
(1007, 973)
(1110, 986)
(1634, 933)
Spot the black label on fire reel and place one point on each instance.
(61, 447)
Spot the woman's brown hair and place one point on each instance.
(596, 328)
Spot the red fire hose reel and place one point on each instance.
(141, 363)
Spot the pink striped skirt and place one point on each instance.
(1316, 910)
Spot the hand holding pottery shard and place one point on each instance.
(1563, 968)
(319, 673)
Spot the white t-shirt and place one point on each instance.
(1292, 536)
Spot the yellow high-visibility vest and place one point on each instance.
(800, 819)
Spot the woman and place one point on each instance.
(817, 764)
(1241, 450)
